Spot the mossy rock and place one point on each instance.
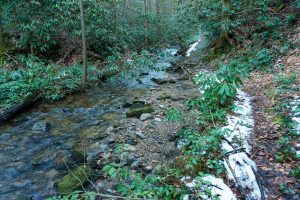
(90, 133)
(78, 156)
(137, 112)
(73, 181)
(111, 116)
(164, 97)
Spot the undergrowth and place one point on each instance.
(27, 77)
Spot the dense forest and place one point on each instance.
(150, 99)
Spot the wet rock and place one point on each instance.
(41, 126)
(66, 146)
(43, 158)
(4, 137)
(95, 122)
(157, 119)
(137, 112)
(161, 81)
(105, 186)
(109, 130)
(78, 156)
(22, 183)
(184, 78)
(92, 159)
(63, 161)
(162, 106)
(69, 182)
(135, 164)
(52, 173)
(20, 167)
(177, 98)
(130, 148)
(144, 73)
(148, 168)
(93, 133)
(131, 142)
(164, 97)
(110, 116)
(140, 134)
(145, 116)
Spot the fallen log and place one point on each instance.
(9, 113)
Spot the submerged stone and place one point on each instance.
(110, 116)
(41, 126)
(74, 180)
(78, 156)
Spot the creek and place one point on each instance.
(37, 145)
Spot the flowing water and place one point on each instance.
(35, 145)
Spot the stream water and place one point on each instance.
(35, 145)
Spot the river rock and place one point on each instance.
(131, 142)
(43, 158)
(157, 119)
(109, 130)
(161, 81)
(105, 186)
(137, 112)
(52, 173)
(145, 116)
(22, 183)
(41, 126)
(4, 137)
(140, 134)
(130, 148)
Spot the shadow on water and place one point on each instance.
(36, 145)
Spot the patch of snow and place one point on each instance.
(296, 117)
(216, 185)
(193, 47)
(238, 165)
(171, 51)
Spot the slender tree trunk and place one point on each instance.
(223, 38)
(146, 22)
(2, 48)
(84, 54)
(159, 35)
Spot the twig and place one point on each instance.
(237, 180)
(259, 184)
(235, 151)
(91, 182)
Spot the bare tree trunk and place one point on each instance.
(84, 54)
(1, 44)
(158, 20)
(146, 22)
(223, 38)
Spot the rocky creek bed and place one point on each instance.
(43, 149)
(39, 147)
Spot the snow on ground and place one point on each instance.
(296, 117)
(193, 47)
(240, 168)
(216, 185)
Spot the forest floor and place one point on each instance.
(269, 93)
